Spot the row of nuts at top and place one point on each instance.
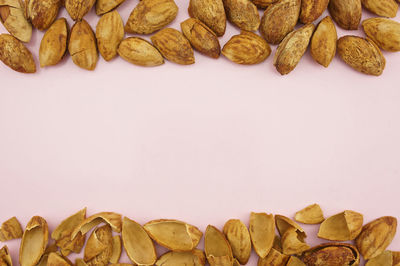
(201, 31)
(231, 246)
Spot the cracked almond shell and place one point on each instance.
(247, 48)
(384, 32)
(312, 10)
(211, 13)
(111, 218)
(346, 13)
(5, 257)
(385, 258)
(173, 258)
(34, 241)
(173, 234)
(376, 236)
(263, 3)
(55, 259)
(361, 54)
(173, 46)
(138, 245)
(12, 15)
(140, 52)
(383, 8)
(238, 236)
(10, 229)
(274, 258)
(262, 232)
(42, 13)
(109, 34)
(323, 49)
(201, 37)
(104, 6)
(396, 258)
(99, 247)
(15, 55)
(294, 261)
(293, 242)
(116, 249)
(311, 214)
(151, 15)
(333, 254)
(77, 9)
(292, 49)
(217, 248)
(343, 226)
(54, 43)
(243, 14)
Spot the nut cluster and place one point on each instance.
(200, 32)
(230, 246)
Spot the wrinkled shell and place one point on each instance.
(384, 8)
(140, 52)
(111, 218)
(43, 13)
(138, 245)
(109, 34)
(311, 214)
(384, 32)
(263, 3)
(54, 43)
(116, 249)
(104, 6)
(83, 50)
(312, 10)
(246, 48)
(173, 258)
(210, 12)
(217, 248)
(77, 9)
(346, 13)
(386, 258)
(10, 229)
(376, 236)
(361, 54)
(274, 258)
(293, 242)
(12, 15)
(173, 46)
(279, 19)
(238, 237)
(15, 55)
(55, 259)
(173, 234)
(151, 15)
(284, 223)
(243, 14)
(343, 226)
(332, 254)
(294, 261)
(292, 49)
(5, 257)
(323, 50)
(34, 241)
(99, 247)
(262, 232)
(201, 37)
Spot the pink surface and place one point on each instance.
(201, 143)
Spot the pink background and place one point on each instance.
(201, 143)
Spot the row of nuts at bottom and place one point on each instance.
(230, 246)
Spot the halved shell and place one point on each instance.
(5, 258)
(55, 259)
(294, 261)
(274, 258)
(217, 248)
(13, 18)
(238, 237)
(386, 258)
(99, 246)
(343, 226)
(117, 249)
(173, 258)
(310, 215)
(293, 242)
(262, 232)
(332, 254)
(111, 218)
(10, 229)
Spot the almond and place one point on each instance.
(201, 37)
(238, 237)
(262, 232)
(12, 15)
(217, 248)
(376, 236)
(279, 19)
(246, 48)
(263, 3)
(109, 34)
(43, 13)
(77, 9)
(332, 254)
(10, 229)
(323, 47)
(173, 46)
(384, 8)
(243, 14)
(361, 54)
(211, 13)
(312, 9)
(140, 52)
(346, 13)
(150, 16)
(344, 226)
(311, 214)
(292, 49)
(54, 43)
(104, 6)
(15, 55)
(384, 32)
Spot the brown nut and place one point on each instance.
(243, 14)
(384, 32)
(217, 248)
(12, 15)
(312, 10)
(343, 226)
(140, 52)
(262, 232)
(332, 254)
(238, 237)
(54, 43)
(42, 13)
(10, 229)
(77, 9)
(210, 12)
(104, 6)
(323, 50)
(109, 34)
(383, 8)
(346, 13)
(15, 55)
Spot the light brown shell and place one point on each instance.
(346, 13)
(111, 218)
(43, 13)
(323, 50)
(173, 258)
(384, 8)
(109, 34)
(104, 6)
(279, 19)
(238, 237)
(150, 16)
(77, 9)
(173, 46)
(140, 52)
(343, 226)
(385, 258)
(217, 248)
(211, 13)
(10, 229)
(15, 55)
(292, 49)
(54, 43)
(243, 14)
(313, 214)
(262, 232)
(312, 10)
(116, 249)
(55, 259)
(12, 15)
(246, 48)
(361, 54)
(384, 32)
(5, 257)
(274, 258)
(332, 254)
(294, 261)
(99, 247)
(263, 3)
